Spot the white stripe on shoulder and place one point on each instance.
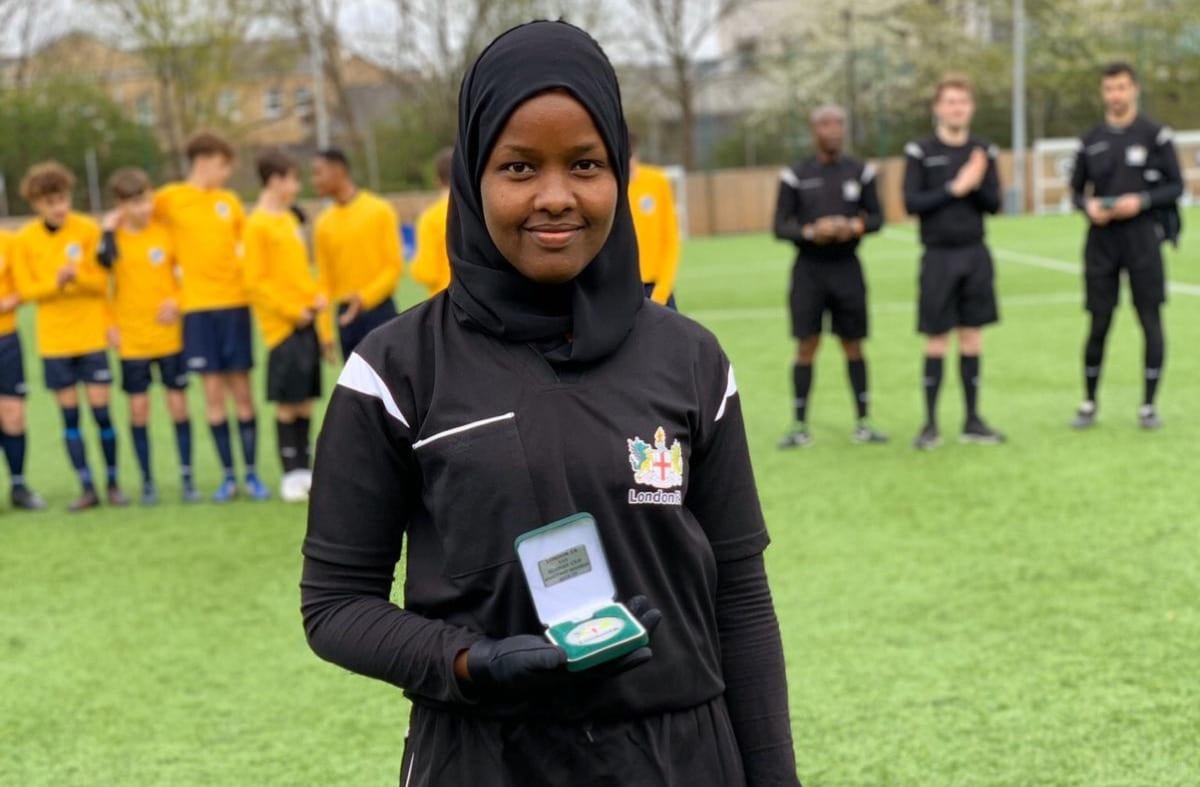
(357, 375)
(914, 150)
(868, 173)
(993, 151)
(789, 177)
(463, 428)
(730, 389)
(1165, 135)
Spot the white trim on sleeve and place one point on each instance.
(357, 375)
(789, 177)
(730, 389)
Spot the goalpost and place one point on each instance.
(1054, 159)
(678, 179)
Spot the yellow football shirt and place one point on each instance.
(278, 277)
(144, 278)
(431, 266)
(72, 320)
(8, 320)
(657, 228)
(358, 250)
(206, 230)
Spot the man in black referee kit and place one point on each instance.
(1130, 165)
(950, 182)
(826, 204)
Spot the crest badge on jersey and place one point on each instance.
(647, 204)
(851, 190)
(157, 255)
(1135, 155)
(74, 252)
(223, 209)
(659, 466)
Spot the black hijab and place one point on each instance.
(597, 308)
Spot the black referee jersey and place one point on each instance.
(459, 442)
(1138, 159)
(813, 189)
(948, 221)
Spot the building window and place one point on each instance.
(273, 103)
(747, 52)
(227, 105)
(144, 109)
(302, 98)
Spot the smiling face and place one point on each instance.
(549, 190)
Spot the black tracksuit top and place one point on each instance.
(813, 189)
(948, 221)
(459, 442)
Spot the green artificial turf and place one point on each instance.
(1017, 615)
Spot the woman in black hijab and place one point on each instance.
(539, 386)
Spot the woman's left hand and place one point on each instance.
(649, 617)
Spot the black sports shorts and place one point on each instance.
(294, 368)
(957, 289)
(1132, 246)
(836, 287)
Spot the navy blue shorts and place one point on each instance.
(363, 324)
(218, 340)
(670, 304)
(68, 371)
(12, 366)
(137, 373)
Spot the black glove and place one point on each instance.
(515, 663)
(526, 662)
(649, 617)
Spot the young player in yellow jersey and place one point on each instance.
(12, 385)
(431, 266)
(657, 227)
(293, 316)
(206, 230)
(147, 331)
(55, 266)
(357, 248)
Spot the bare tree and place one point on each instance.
(191, 47)
(317, 22)
(673, 33)
(437, 40)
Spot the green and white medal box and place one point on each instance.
(573, 591)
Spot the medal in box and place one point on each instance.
(574, 594)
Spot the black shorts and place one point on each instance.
(137, 373)
(833, 286)
(218, 340)
(363, 324)
(67, 371)
(12, 366)
(958, 289)
(689, 748)
(294, 368)
(1132, 246)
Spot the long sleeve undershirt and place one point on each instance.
(755, 680)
